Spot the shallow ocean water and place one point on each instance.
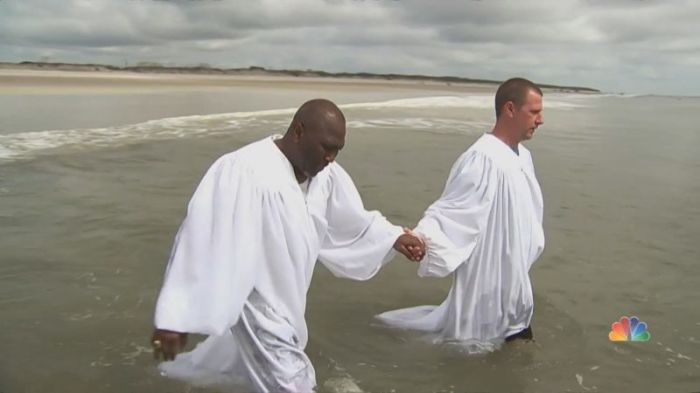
(91, 198)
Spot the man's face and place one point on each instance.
(529, 116)
(320, 147)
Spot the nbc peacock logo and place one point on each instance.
(629, 329)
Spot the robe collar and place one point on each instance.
(288, 168)
(501, 150)
(284, 161)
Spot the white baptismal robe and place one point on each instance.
(243, 259)
(487, 229)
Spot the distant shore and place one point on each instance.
(36, 77)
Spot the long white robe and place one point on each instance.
(487, 229)
(242, 263)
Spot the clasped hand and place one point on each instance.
(410, 245)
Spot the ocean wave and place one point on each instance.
(475, 101)
(472, 101)
(28, 144)
(420, 123)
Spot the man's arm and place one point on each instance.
(359, 242)
(452, 226)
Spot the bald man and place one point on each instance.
(244, 256)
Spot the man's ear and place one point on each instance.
(510, 108)
(297, 130)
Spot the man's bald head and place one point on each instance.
(314, 137)
(319, 115)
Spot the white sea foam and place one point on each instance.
(475, 101)
(341, 385)
(421, 123)
(472, 101)
(28, 144)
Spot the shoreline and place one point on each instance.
(22, 81)
(38, 78)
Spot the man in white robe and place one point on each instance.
(243, 259)
(486, 228)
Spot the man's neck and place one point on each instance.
(500, 133)
(300, 176)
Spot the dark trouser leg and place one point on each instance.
(525, 334)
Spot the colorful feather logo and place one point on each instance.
(629, 329)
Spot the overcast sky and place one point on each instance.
(632, 46)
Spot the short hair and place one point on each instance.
(515, 90)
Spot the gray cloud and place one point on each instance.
(616, 45)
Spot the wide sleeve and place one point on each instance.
(358, 242)
(212, 266)
(453, 224)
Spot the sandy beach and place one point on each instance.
(25, 81)
(109, 98)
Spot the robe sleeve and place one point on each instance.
(212, 266)
(452, 225)
(358, 242)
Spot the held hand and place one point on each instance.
(410, 245)
(167, 344)
(419, 251)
